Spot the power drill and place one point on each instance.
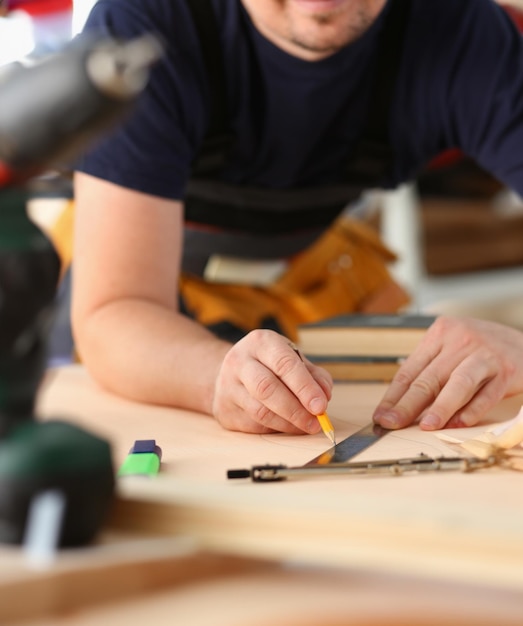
(50, 111)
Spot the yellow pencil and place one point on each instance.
(323, 418)
(326, 426)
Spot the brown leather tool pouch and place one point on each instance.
(344, 271)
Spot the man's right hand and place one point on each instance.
(264, 386)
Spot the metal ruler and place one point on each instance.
(334, 461)
(340, 453)
(351, 446)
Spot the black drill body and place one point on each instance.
(50, 111)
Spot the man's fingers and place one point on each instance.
(243, 413)
(322, 377)
(484, 400)
(276, 392)
(265, 383)
(412, 389)
(444, 390)
(266, 376)
(460, 370)
(464, 395)
(262, 420)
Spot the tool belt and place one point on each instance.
(344, 271)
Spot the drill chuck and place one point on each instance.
(54, 108)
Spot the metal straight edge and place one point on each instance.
(351, 446)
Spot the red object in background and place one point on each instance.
(449, 157)
(516, 15)
(6, 175)
(40, 7)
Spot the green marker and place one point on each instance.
(144, 459)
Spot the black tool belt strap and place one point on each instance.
(219, 139)
(373, 155)
(270, 214)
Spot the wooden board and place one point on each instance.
(127, 580)
(411, 551)
(468, 527)
(119, 567)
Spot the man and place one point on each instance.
(304, 80)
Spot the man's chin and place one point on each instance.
(316, 49)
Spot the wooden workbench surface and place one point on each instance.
(366, 546)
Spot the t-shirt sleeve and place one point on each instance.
(151, 150)
(461, 87)
(485, 93)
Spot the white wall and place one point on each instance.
(81, 10)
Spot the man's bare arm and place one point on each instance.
(134, 341)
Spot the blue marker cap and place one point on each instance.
(142, 446)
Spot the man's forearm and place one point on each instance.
(147, 353)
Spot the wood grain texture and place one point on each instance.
(421, 550)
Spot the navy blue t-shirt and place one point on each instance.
(294, 121)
